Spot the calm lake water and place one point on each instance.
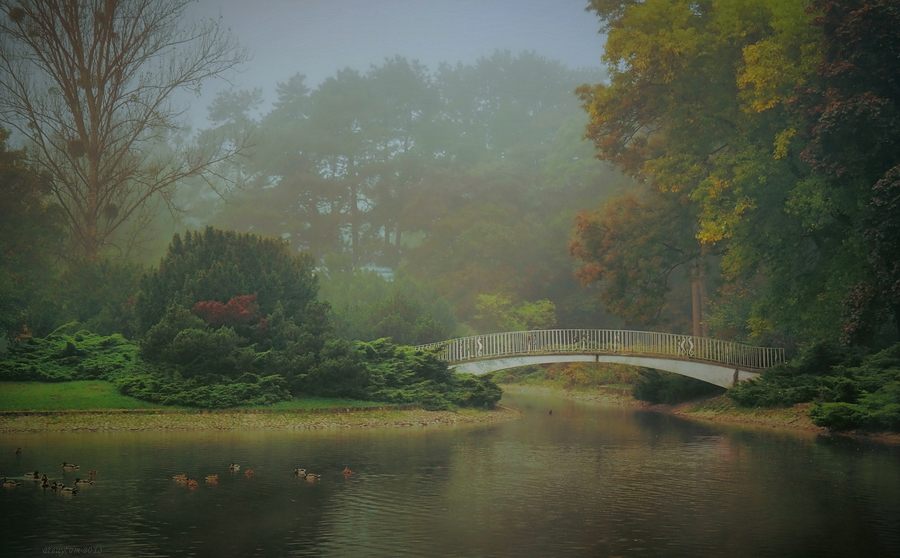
(587, 480)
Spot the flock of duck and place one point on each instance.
(234, 468)
(55, 486)
(184, 479)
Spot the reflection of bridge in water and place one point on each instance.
(723, 363)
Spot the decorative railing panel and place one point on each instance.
(609, 342)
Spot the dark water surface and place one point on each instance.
(585, 481)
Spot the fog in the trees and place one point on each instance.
(438, 144)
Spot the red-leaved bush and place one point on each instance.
(240, 310)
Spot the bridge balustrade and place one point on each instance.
(607, 341)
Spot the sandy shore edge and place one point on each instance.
(246, 420)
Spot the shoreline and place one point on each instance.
(116, 421)
(718, 409)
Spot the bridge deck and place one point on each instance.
(608, 342)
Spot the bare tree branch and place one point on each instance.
(89, 84)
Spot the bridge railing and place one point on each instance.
(607, 341)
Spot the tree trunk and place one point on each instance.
(704, 327)
(354, 210)
(696, 308)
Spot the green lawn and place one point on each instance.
(102, 396)
(66, 396)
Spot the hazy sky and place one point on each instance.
(319, 37)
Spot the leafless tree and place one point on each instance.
(90, 86)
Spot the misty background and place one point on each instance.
(426, 148)
(319, 37)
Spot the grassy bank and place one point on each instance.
(66, 396)
(99, 395)
(96, 406)
(722, 409)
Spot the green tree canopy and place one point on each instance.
(703, 100)
(634, 246)
(30, 232)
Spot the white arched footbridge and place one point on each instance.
(723, 363)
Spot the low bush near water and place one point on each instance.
(850, 391)
(666, 388)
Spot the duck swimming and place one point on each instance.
(212, 478)
(69, 466)
(83, 481)
(9, 483)
(347, 471)
(180, 478)
(67, 489)
(234, 467)
(192, 483)
(249, 472)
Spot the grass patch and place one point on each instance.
(88, 395)
(722, 408)
(98, 395)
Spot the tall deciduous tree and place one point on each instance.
(851, 117)
(632, 246)
(698, 102)
(407, 106)
(90, 84)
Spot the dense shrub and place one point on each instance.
(383, 371)
(216, 265)
(69, 353)
(849, 391)
(662, 387)
(247, 390)
(815, 375)
(469, 390)
(341, 371)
